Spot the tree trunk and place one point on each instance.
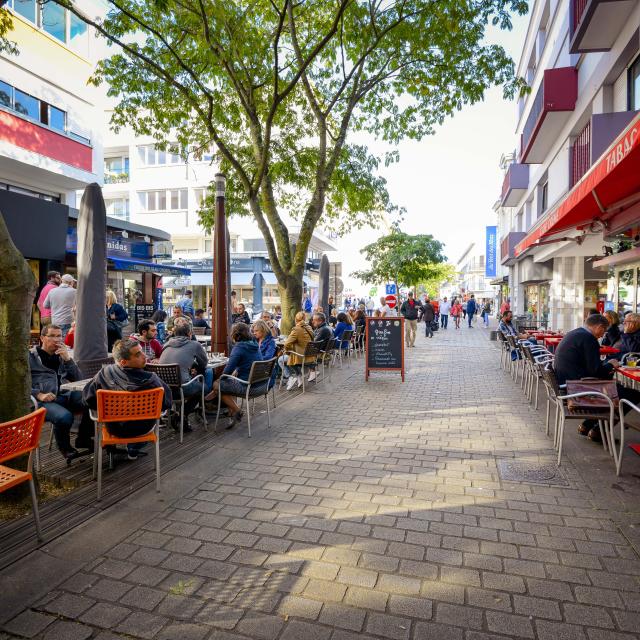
(17, 290)
(291, 299)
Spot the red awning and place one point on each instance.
(610, 181)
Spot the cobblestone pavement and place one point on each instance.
(374, 511)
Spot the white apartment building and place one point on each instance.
(570, 187)
(164, 189)
(471, 274)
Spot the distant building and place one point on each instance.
(471, 279)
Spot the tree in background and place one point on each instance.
(442, 273)
(278, 86)
(403, 259)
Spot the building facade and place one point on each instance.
(571, 187)
(165, 189)
(471, 274)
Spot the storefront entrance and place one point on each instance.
(536, 302)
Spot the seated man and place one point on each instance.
(630, 339)
(191, 356)
(51, 365)
(273, 326)
(146, 336)
(578, 356)
(322, 333)
(199, 321)
(128, 374)
(177, 313)
(507, 328)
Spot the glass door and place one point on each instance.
(626, 291)
(543, 307)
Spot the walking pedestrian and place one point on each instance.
(428, 315)
(464, 309)
(472, 308)
(486, 313)
(52, 283)
(409, 310)
(62, 303)
(456, 312)
(445, 309)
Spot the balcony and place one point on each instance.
(508, 246)
(595, 24)
(596, 137)
(555, 100)
(515, 184)
(115, 178)
(45, 141)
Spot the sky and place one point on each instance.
(449, 182)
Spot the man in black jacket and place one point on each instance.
(409, 310)
(322, 332)
(578, 356)
(128, 374)
(428, 315)
(630, 339)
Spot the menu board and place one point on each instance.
(385, 345)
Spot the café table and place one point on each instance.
(552, 341)
(216, 363)
(204, 339)
(78, 385)
(608, 351)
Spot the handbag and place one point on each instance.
(591, 404)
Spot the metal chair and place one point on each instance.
(90, 368)
(533, 355)
(257, 386)
(327, 355)
(126, 406)
(312, 349)
(358, 339)
(617, 454)
(346, 337)
(170, 375)
(505, 351)
(18, 437)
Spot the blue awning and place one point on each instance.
(126, 264)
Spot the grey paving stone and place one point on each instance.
(412, 607)
(452, 614)
(260, 626)
(297, 630)
(105, 615)
(519, 626)
(149, 576)
(143, 598)
(69, 605)
(115, 569)
(537, 607)
(219, 615)
(184, 631)
(65, 630)
(434, 631)
(299, 607)
(79, 582)
(106, 589)
(142, 625)
(338, 615)
(382, 624)
(29, 623)
(366, 598)
(489, 599)
(398, 584)
(558, 631)
(180, 607)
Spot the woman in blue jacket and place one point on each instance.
(266, 344)
(117, 318)
(343, 324)
(244, 353)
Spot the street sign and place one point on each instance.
(390, 289)
(391, 301)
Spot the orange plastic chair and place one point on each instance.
(18, 437)
(126, 406)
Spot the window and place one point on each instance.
(151, 201)
(27, 105)
(150, 156)
(634, 85)
(53, 18)
(57, 118)
(118, 208)
(6, 95)
(117, 165)
(78, 35)
(544, 197)
(25, 8)
(207, 246)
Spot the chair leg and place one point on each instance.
(181, 416)
(99, 456)
(618, 457)
(560, 438)
(215, 426)
(303, 386)
(548, 416)
(249, 411)
(204, 416)
(535, 406)
(266, 396)
(273, 391)
(51, 436)
(36, 451)
(157, 448)
(36, 513)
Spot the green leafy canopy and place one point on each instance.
(280, 87)
(404, 259)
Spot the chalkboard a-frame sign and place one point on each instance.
(385, 345)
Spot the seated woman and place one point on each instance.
(344, 324)
(159, 317)
(300, 336)
(613, 334)
(244, 353)
(266, 344)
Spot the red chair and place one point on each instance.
(126, 406)
(18, 437)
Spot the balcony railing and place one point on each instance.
(596, 24)
(581, 154)
(116, 178)
(555, 99)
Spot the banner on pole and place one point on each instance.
(490, 254)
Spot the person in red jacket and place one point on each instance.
(146, 336)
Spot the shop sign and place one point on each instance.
(490, 253)
(117, 246)
(241, 264)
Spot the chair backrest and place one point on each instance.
(198, 331)
(21, 435)
(126, 406)
(549, 378)
(168, 373)
(526, 350)
(89, 368)
(512, 341)
(359, 330)
(347, 335)
(330, 346)
(312, 348)
(261, 371)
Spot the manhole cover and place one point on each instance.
(534, 472)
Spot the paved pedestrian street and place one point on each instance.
(369, 510)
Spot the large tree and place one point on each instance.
(403, 259)
(277, 86)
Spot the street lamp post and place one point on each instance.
(220, 307)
